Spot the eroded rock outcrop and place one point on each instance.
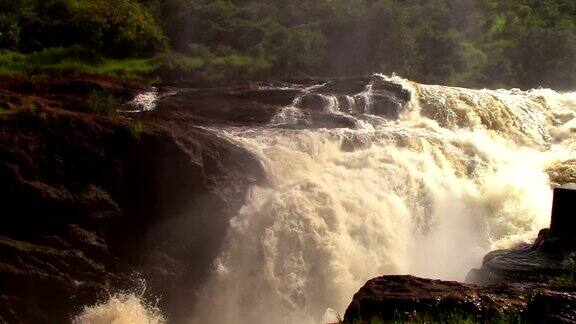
(90, 204)
(407, 298)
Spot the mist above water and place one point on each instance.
(459, 173)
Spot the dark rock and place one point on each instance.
(86, 202)
(386, 106)
(563, 222)
(70, 93)
(351, 144)
(552, 307)
(312, 101)
(214, 107)
(520, 265)
(396, 89)
(332, 121)
(550, 257)
(407, 298)
(346, 86)
(271, 96)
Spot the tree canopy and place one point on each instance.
(516, 43)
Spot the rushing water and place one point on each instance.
(459, 173)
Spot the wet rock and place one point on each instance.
(552, 307)
(346, 86)
(386, 106)
(265, 95)
(351, 144)
(407, 298)
(520, 265)
(332, 121)
(214, 107)
(86, 202)
(551, 257)
(313, 102)
(395, 89)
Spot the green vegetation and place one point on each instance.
(73, 60)
(455, 317)
(136, 128)
(516, 43)
(103, 103)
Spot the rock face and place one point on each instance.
(320, 102)
(88, 202)
(407, 298)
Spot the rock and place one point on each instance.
(563, 222)
(407, 298)
(353, 143)
(214, 107)
(87, 201)
(520, 265)
(313, 102)
(551, 257)
(71, 93)
(386, 106)
(346, 86)
(394, 89)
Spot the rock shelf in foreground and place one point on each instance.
(529, 284)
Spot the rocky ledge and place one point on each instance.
(411, 299)
(92, 203)
(529, 284)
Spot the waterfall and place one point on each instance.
(426, 190)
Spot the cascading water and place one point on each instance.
(456, 173)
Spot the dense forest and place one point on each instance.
(515, 43)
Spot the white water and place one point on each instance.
(460, 173)
(121, 309)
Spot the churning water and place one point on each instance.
(459, 172)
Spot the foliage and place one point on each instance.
(74, 60)
(136, 128)
(516, 43)
(453, 317)
(103, 103)
(117, 28)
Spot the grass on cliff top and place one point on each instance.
(74, 60)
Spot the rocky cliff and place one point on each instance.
(93, 203)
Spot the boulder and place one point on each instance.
(411, 299)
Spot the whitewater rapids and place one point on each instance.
(459, 173)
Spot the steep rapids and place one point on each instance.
(429, 180)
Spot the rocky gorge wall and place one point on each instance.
(92, 205)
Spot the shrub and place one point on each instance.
(136, 129)
(177, 65)
(103, 103)
(74, 60)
